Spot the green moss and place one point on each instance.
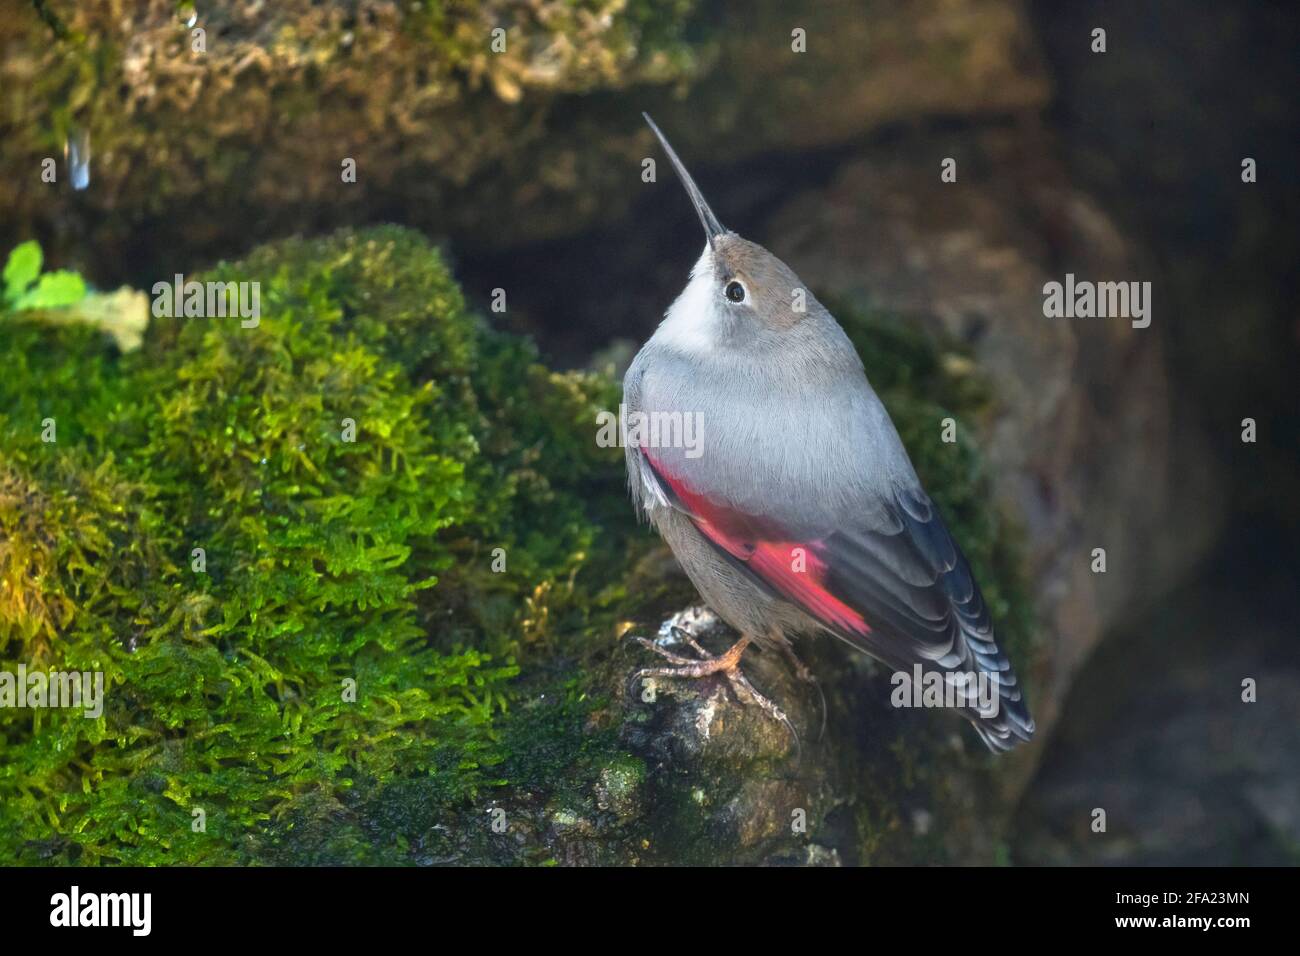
(412, 91)
(327, 561)
(563, 774)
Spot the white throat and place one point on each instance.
(689, 325)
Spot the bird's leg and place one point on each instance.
(727, 663)
(804, 674)
(666, 653)
(745, 691)
(678, 627)
(800, 669)
(689, 639)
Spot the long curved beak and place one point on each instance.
(712, 228)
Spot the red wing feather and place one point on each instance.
(794, 569)
(900, 590)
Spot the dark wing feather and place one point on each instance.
(915, 588)
(900, 590)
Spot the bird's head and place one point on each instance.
(739, 293)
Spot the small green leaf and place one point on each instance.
(55, 289)
(21, 270)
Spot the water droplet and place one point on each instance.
(187, 14)
(76, 153)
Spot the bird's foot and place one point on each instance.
(687, 626)
(804, 674)
(727, 664)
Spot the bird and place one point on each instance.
(799, 513)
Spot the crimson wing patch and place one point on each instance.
(901, 591)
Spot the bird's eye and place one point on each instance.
(735, 291)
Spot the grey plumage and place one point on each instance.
(798, 452)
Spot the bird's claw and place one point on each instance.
(664, 652)
(727, 664)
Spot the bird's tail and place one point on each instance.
(1009, 727)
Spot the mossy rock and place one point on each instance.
(328, 561)
(222, 111)
(497, 146)
(324, 560)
